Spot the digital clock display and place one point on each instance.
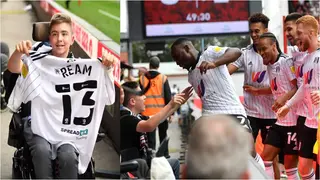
(195, 17)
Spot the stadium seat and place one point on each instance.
(40, 31)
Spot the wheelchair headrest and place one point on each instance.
(40, 31)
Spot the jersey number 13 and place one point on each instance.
(86, 101)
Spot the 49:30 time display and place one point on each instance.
(198, 17)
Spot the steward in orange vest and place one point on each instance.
(156, 88)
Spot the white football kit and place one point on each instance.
(302, 107)
(215, 88)
(311, 82)
(281, 74)
(68, 98)
(255, 74)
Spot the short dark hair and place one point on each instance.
(154, 62)
(259, 17)
(273, 38)
(128, 89)
(293, 17)
(179, 41)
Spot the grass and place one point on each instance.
(89, 11)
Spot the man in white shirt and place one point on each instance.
(283, 83)
(258, 97)
(212, 81)
(258, 107)
(307, 32)
(306, 127)
(42, 149)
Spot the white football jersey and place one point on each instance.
(255, 74)
(311, 82)
(281, 74)
(68, 98)
(302, 107)
(298, 61)
(215, 88)
(41, 47)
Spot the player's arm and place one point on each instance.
(315, 97)
(234, 66)
(298, 97)
(289, 73)
(283, 99)
(230, 55)
(155, 120)
(15, 63)
(257, 91)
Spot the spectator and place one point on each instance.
(67, 4)
(133, 125)
(219, 148)
(4, 48)
(158, 94)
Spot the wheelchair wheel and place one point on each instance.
(16, 173)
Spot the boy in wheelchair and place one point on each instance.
(133, 126)
(19, 133)
(60, 36)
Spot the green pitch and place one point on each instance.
(104, 15)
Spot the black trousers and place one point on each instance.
(163, 127)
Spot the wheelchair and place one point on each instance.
(129, 164)
(22, 166)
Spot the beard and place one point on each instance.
(305, 46)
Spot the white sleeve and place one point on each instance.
(109, 83)
(30, 80)
(298, 96)
(213, 53)
(240, 61)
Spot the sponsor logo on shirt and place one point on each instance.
(274, 84)
(299, 71)
(258, 76)
(308, 77)
(80, 133)
(201, 89)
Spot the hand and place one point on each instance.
(108, 59)
(23, 47)
(252, 90)
(283, 111)
(205, 66)
(279, 103)
(181, 98)
(315, 97)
